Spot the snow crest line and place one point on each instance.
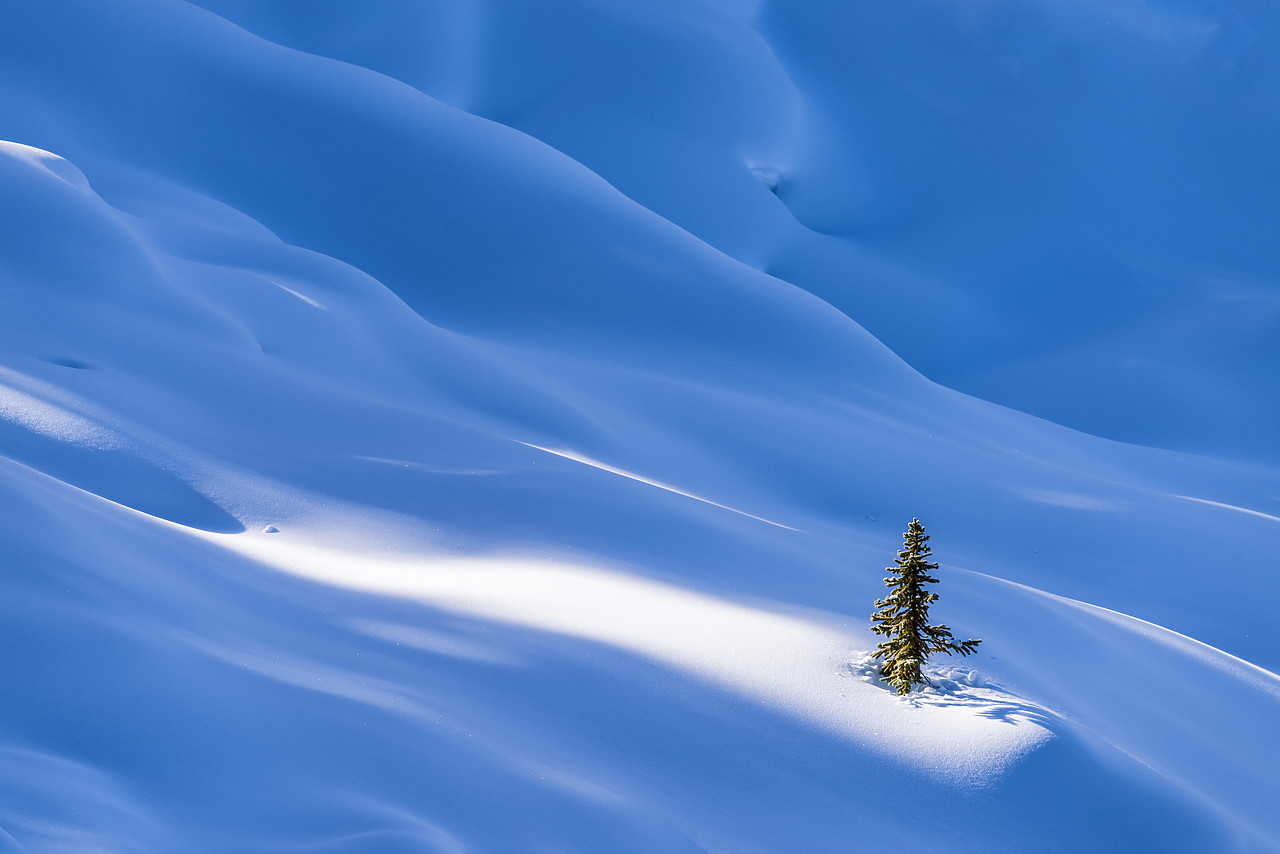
(1246, 510)
(588, 461)
(1209, 655)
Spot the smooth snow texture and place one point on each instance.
(481, 426)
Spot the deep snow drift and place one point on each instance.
(466, 426)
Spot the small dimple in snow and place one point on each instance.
(768, 176)
(67, 362)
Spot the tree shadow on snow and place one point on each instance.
(959, 685)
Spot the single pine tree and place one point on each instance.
(903, 616)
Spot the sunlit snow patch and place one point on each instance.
(61, 169)
(794, 665)
(47, 410)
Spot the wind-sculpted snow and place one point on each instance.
(466, 427)
(1063, 197)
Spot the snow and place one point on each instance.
(475, 427)
(777, 660)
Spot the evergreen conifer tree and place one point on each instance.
(903, 616)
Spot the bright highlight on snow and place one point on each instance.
(796, 665)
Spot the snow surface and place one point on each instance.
(465, 426)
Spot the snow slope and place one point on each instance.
(470, 426)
